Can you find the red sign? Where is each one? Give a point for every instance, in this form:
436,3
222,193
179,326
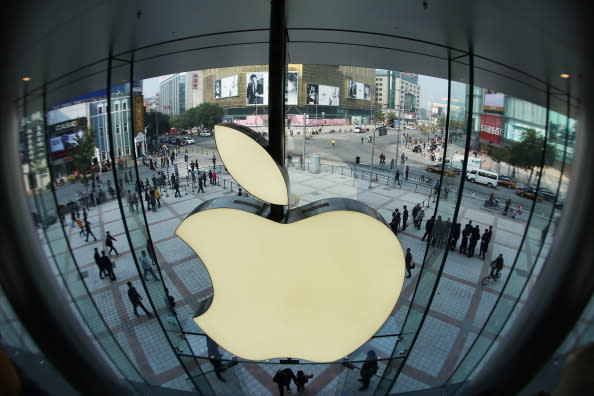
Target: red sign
491,128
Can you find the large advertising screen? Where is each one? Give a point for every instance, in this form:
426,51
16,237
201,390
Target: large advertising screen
358,90
226,87
493,102
256,88
491,128
291,88
324,95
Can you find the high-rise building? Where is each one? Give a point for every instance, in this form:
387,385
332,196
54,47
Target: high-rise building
172,94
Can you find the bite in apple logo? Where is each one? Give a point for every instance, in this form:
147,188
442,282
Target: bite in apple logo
315,286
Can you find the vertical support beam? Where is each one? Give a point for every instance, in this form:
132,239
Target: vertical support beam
276,92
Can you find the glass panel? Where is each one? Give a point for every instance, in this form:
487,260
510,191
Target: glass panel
542,168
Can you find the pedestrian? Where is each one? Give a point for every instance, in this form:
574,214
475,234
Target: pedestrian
414,213
153,200
99,262
398,178
200,185
130,201
203,176
428,229
282,378
507,205
497,266
147,266
396,218
456,231
73,217
176,186
419,218
157,195
214,161
88,231
404,218
406,172
518,211
368,370
301,380
408,261
107,265
170,302
240,192
109,243
136,300
214,357
81,226
210,176
475,235
214,177
483,248
438,227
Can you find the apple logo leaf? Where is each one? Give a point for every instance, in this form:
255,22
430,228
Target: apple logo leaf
244,154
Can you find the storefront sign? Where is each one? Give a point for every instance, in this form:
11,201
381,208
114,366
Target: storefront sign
491,128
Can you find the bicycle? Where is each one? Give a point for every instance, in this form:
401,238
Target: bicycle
487,279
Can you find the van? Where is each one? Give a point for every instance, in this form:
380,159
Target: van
483,177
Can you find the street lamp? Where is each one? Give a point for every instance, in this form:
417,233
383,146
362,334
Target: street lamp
304,133
400,105
372,151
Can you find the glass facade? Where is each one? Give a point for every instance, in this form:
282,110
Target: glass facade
107,228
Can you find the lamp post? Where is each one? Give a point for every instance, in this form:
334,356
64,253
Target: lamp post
372,152
400,105
304,133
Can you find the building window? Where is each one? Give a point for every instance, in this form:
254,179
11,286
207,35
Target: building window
125,127
124,106
117,107
119,152
100,110
117,128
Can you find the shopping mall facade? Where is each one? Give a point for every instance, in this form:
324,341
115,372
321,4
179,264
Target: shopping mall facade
446,329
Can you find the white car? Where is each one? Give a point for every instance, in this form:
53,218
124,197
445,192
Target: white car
358,130
190,141
205,133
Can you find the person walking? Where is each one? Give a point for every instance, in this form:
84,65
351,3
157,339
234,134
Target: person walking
497,266
214,177
109,243
301,380
282,378
464,242
88,231
404,217
408,261
98,261
147,266
210,176
483,248
475,235
438,232
200,184
398,178
107,265
203,176
368,370
414,213
73,217
81,226
136,300
406,172
396,217
428,229
176,186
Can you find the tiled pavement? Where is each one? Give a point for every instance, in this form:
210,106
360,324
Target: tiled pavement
459,309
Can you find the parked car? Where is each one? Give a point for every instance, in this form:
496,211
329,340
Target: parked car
358,130
189,140
529,192
205,132
547,194
438,168
507,181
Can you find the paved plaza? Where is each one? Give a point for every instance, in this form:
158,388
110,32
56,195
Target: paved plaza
459,309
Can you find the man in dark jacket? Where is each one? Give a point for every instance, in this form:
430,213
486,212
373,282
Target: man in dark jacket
98,261
497,266
404,218
408,262
107,266
136,300
283,378
428,229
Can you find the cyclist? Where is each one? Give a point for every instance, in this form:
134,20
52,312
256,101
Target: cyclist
496,266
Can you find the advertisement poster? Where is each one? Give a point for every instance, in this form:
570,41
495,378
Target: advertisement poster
291,88
227,87
493,102
491,128
324,95
256,88
358,90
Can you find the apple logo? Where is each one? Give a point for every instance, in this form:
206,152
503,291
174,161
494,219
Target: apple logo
315,286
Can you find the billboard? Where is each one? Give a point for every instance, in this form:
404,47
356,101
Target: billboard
63,134
256,88
325,95
411,77
491,128
358,90
226,87
493,101
291,88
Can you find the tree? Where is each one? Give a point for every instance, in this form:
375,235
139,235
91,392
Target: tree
391,116
379,116
527,153
82,153
154,119
209,114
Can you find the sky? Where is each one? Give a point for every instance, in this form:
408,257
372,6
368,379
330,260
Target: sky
431,88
